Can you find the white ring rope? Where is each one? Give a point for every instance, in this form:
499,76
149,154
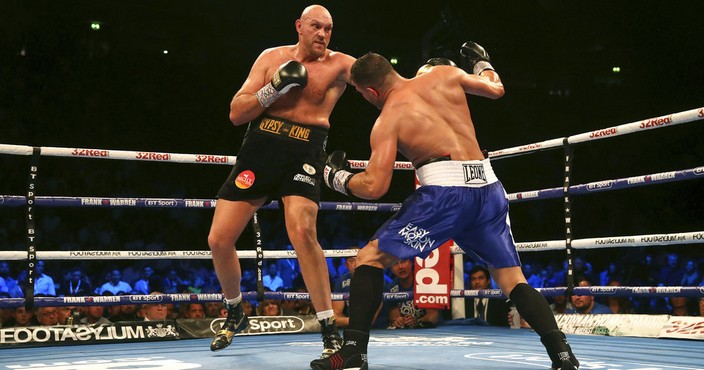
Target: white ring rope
609,185
592,187
603,291
184,254
165,157
588,243
691,115
649,240
695,114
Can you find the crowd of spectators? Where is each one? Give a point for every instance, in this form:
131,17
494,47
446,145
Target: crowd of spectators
52,83
197,276
61,229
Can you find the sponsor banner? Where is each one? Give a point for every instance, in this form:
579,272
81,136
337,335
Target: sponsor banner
202,158
151,156
541,245
258,325
614,325
360,165
698,171
655,122
433,277
79,334
296,296
79,152
616,240
687,327
530,147
527,195
161,203
196,203
600,185
604,132
92,254
397,296
113,202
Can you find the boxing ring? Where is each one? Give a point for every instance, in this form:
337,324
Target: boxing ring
447,347
464,347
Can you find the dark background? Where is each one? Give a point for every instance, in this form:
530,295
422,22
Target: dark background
63,84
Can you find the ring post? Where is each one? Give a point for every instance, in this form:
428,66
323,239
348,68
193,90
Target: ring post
569,153
31,230
260,256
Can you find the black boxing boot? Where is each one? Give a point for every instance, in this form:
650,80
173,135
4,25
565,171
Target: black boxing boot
352,355
559,351
331,337
235,322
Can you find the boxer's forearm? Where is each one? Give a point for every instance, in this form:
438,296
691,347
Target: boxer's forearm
244,108
368,186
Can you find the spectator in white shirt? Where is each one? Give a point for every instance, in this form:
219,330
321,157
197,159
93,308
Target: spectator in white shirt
43,283
142,285
3,287
115,285
13,289
272,280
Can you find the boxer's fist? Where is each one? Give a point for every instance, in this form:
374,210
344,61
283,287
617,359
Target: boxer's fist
289,75
335,175
440,62
432,62
476,56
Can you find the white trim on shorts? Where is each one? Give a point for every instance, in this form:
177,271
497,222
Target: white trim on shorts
473,174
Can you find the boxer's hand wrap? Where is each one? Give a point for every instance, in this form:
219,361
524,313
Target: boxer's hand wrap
476,56
481,67
289,74
335,174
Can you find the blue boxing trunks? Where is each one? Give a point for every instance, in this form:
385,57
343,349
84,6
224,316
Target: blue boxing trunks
459,200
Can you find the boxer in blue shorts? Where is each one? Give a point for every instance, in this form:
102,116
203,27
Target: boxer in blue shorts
474,215
427,119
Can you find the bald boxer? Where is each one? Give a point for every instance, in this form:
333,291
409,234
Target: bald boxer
427,119
287,99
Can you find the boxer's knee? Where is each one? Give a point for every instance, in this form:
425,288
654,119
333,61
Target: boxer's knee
302,234
220,242
507,278
300,225
372,256
215,242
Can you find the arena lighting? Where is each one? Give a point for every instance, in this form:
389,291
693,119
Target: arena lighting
394,61
616,69
95,26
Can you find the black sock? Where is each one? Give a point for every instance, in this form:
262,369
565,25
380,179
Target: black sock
366,293
533,308
355,341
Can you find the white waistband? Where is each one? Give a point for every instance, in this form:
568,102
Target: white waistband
474,174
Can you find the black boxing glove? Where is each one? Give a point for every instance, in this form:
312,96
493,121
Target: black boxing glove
289,74
432,62
476,56
335,174
440,62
